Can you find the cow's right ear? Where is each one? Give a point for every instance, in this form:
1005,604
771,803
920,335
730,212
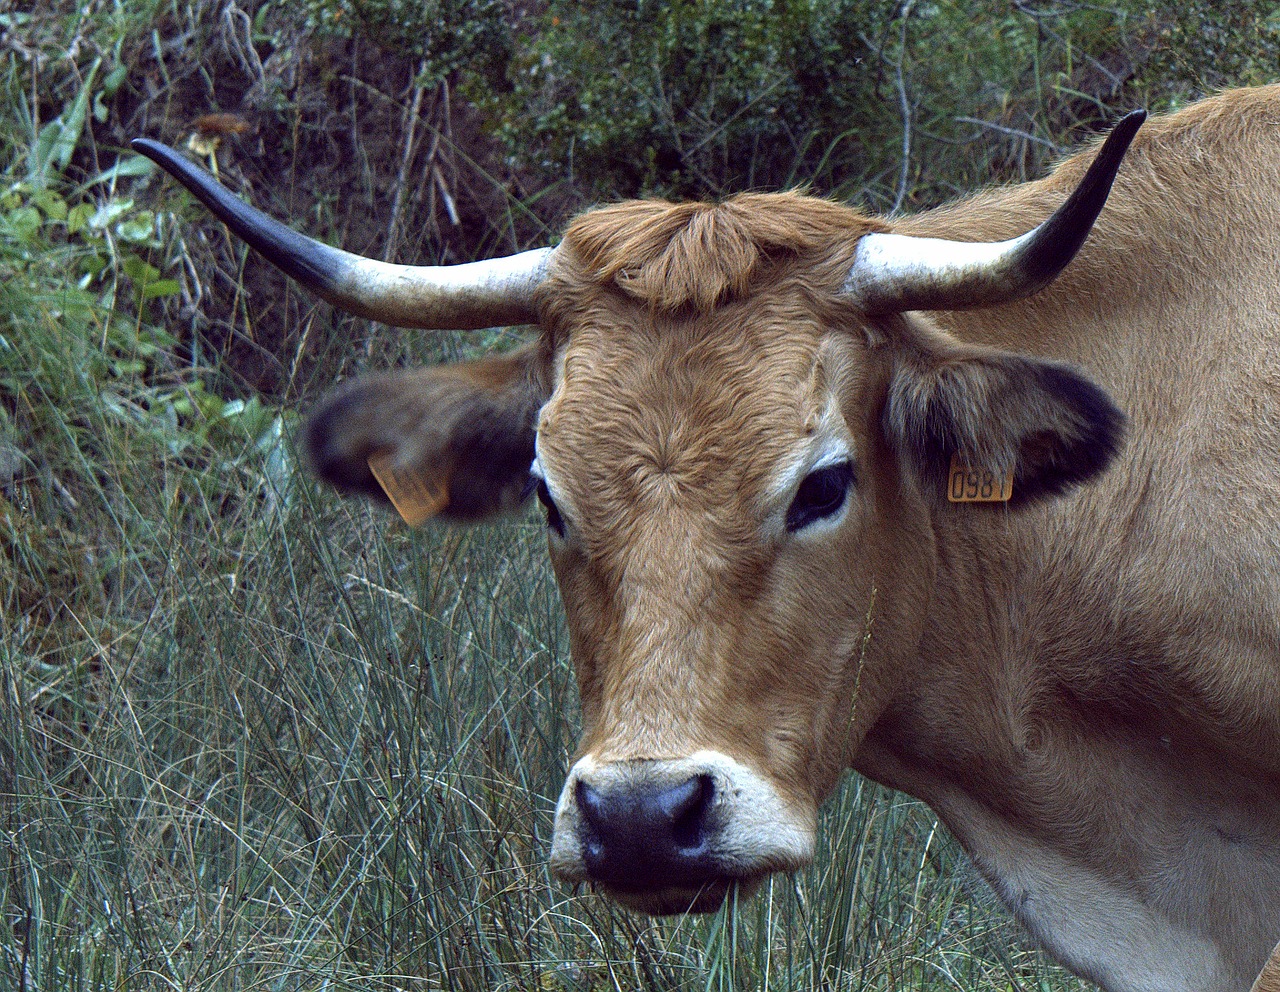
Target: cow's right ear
464,430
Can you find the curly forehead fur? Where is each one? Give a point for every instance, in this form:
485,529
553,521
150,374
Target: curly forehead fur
671,257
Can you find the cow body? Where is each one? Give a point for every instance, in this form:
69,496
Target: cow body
1109,663
743,464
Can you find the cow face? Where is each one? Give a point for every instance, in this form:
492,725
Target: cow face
740,479
722,518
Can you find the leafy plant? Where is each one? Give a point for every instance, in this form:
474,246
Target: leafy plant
901,105
699,95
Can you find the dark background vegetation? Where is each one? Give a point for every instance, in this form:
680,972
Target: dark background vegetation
251,736
430,131
444,130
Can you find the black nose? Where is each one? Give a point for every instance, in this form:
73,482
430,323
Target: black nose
641,837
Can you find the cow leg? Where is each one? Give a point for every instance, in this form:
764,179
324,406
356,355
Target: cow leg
1269,980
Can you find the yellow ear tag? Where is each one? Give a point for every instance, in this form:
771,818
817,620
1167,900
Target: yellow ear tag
977,485
417,497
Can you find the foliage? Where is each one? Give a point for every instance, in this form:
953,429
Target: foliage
900,104
89,381
706,96
629,95
1204,45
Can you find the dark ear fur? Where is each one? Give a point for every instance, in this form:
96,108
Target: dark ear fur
469,426
997,409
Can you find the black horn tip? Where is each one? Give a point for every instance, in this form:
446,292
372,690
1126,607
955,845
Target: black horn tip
161,154
314,264
1102,171
1066,230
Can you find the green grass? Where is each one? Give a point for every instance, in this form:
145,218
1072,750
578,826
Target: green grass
326,754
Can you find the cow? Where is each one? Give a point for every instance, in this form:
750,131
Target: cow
983,503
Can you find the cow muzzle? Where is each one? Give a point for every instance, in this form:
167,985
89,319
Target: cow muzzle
675,835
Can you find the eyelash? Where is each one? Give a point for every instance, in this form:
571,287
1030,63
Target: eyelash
554,520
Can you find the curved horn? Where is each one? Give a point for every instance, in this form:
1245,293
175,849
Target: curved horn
492,293
894,272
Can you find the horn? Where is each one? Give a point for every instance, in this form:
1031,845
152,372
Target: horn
894,272
491,293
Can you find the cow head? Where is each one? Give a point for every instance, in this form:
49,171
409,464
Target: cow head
739,427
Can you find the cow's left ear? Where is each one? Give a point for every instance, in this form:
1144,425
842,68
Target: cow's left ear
462,435
997,410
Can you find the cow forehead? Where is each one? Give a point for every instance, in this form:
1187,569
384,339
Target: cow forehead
708,416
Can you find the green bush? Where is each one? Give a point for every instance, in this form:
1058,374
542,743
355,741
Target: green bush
1205,45
444,37
901,105
704,97
623,97
91,381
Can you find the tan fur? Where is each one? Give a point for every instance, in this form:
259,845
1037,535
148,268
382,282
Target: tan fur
1269,979
671,256
1087,689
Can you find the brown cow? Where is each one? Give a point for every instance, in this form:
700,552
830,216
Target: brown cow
741,427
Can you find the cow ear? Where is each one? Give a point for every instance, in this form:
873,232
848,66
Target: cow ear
464,431
998,410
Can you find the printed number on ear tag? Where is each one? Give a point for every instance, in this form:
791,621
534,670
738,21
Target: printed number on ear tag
417,497
966,484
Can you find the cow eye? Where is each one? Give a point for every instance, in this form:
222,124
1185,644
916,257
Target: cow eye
821,494
554,520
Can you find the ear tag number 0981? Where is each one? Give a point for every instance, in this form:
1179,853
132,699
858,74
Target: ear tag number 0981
966,484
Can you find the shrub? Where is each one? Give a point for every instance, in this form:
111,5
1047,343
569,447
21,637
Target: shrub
709,96
445,37
901,105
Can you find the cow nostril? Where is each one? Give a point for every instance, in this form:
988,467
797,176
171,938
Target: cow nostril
591,804
687,806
